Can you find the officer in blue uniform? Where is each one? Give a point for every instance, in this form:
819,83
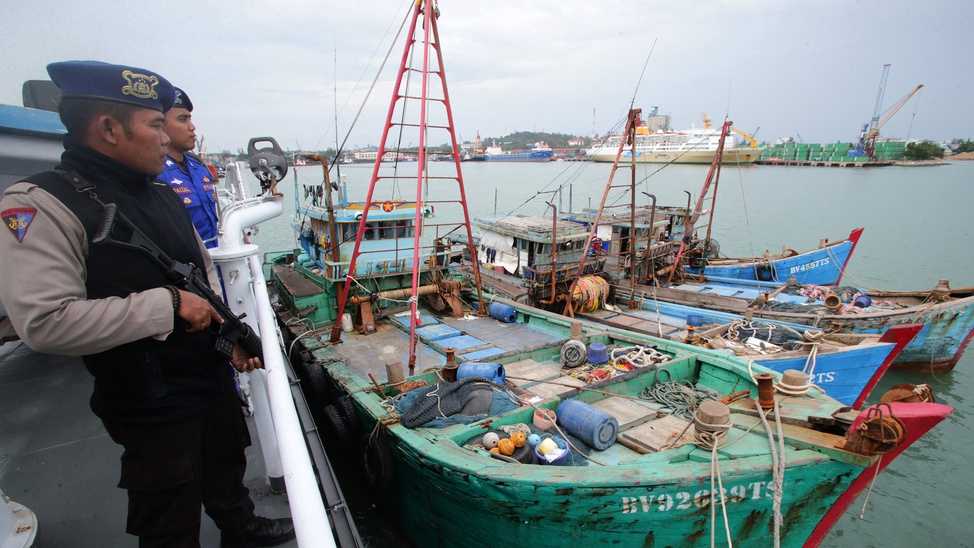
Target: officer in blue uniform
188,177
161,390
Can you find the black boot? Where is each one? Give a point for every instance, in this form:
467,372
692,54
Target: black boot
258,531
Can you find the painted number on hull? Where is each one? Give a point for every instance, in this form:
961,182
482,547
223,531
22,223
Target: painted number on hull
810,266
684,500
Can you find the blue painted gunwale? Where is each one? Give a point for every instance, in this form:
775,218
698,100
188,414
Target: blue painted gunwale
843,372
948,326
822,266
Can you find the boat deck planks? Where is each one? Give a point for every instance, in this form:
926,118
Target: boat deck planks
296,284
655,435
637,322
554,387
502,335
627,411
529,371
359,350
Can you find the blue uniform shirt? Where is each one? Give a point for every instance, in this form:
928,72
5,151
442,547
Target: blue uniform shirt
196,188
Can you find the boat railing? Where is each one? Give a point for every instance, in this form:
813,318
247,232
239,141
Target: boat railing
281,434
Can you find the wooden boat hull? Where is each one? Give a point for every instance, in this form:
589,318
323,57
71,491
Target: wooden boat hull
948,325
822,266
846,373
442,493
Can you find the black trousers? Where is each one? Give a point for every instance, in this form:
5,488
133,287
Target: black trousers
170,471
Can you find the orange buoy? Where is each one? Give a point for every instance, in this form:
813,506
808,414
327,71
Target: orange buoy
506,446
518,439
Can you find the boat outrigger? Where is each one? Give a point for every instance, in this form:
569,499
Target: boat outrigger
469,425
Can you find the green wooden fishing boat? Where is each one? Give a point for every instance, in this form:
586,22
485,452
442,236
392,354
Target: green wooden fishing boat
654,443
443,491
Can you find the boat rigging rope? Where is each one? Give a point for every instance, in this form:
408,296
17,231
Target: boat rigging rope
814,337
879,464
659,315
712,436
846,274
777,467
715,471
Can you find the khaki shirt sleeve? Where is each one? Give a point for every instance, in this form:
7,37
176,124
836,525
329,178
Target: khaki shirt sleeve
42,285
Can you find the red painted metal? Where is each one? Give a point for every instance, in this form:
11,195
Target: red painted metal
713,177
424,47
630,131
919,418
854,238
900,335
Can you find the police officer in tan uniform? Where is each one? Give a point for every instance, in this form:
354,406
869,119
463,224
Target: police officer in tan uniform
160,389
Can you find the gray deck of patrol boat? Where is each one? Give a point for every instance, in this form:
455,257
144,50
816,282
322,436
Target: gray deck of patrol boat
57,459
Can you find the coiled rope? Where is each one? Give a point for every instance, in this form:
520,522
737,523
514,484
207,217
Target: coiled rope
679,398
590,292
638,356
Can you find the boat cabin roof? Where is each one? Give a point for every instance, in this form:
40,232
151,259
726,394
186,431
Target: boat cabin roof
624,217
535,229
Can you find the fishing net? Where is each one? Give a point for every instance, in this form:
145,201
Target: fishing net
786,338
446,403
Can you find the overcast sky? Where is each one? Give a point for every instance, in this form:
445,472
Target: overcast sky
278,68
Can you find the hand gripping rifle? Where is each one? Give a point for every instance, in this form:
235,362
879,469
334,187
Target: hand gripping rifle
185,276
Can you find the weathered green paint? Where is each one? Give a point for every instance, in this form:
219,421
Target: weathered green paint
444,494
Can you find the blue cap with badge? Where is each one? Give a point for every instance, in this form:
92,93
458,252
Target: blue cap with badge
182,100
107,82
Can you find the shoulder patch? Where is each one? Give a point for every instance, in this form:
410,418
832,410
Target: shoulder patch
18,219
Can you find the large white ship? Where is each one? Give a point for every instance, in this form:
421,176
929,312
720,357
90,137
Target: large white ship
657,144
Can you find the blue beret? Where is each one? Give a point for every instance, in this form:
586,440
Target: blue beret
107,82
182,100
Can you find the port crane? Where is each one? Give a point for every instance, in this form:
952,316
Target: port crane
867,137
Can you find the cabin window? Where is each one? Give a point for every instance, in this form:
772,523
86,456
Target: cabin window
387,230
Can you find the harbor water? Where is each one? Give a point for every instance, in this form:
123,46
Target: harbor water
919,229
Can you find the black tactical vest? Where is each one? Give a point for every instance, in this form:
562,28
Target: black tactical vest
145,381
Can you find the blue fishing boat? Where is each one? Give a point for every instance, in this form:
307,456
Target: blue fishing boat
823,265
847,367
661,229
947,314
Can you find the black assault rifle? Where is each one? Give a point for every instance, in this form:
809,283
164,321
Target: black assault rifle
185,276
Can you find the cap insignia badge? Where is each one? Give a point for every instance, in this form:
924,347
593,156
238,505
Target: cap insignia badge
140,85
